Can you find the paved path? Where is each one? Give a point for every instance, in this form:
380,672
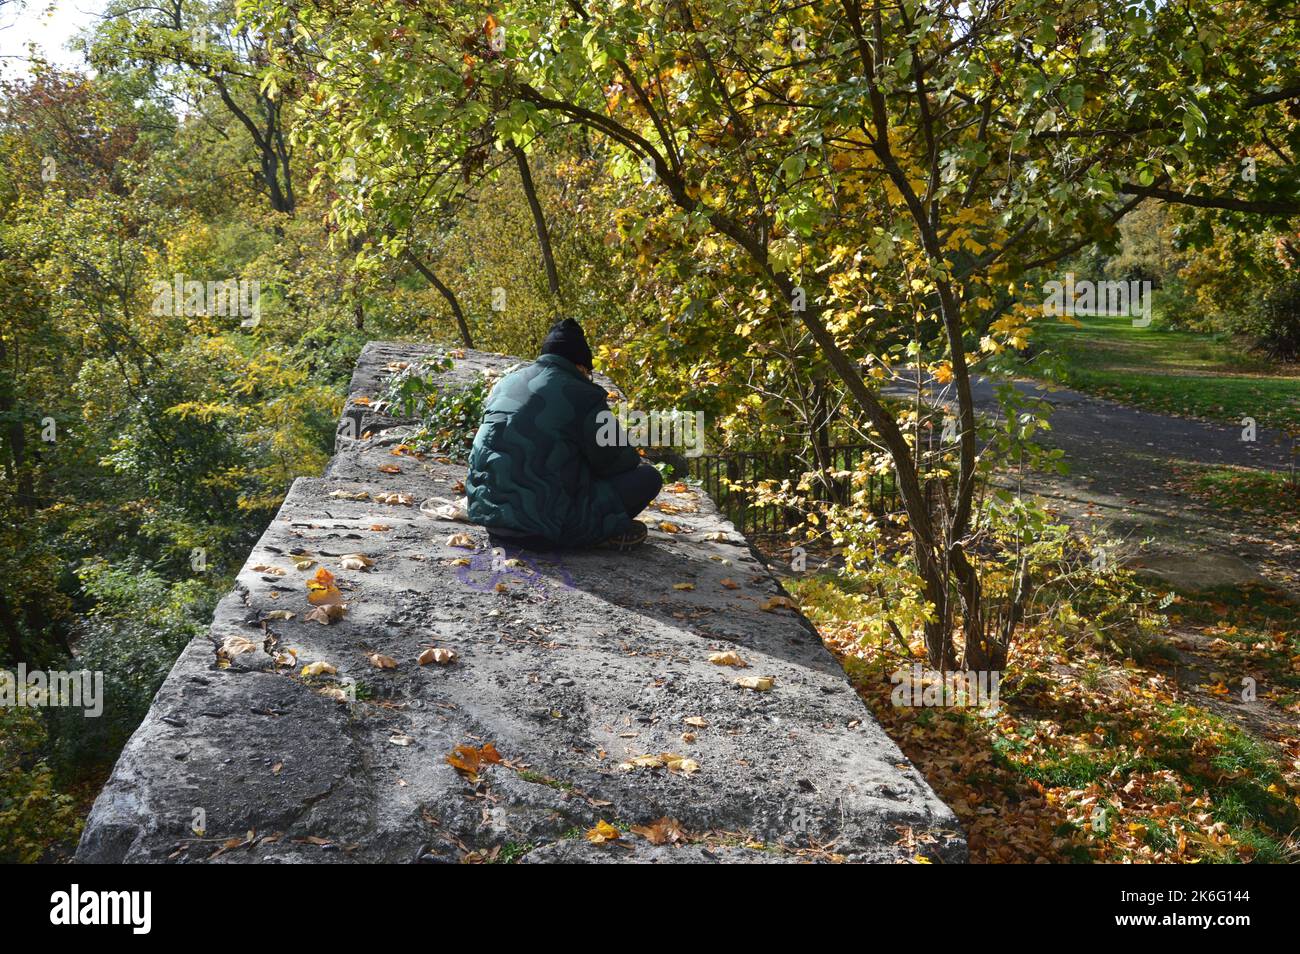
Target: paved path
1123,470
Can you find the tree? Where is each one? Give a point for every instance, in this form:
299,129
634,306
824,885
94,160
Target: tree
890,174
196,53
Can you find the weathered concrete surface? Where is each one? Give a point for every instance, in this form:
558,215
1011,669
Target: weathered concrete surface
570,663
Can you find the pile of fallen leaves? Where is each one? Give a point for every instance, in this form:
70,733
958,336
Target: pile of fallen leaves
1087,757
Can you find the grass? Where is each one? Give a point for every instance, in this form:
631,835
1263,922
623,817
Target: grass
1251,629
1270,494
1092,756
1163,369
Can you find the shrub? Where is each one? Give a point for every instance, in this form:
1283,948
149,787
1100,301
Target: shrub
449,416
1275,322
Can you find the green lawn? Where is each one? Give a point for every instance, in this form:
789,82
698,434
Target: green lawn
1161,369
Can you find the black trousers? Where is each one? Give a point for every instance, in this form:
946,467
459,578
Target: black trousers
635,487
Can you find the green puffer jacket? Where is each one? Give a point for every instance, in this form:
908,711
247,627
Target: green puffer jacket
536,466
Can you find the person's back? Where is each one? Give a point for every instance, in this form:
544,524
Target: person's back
544,470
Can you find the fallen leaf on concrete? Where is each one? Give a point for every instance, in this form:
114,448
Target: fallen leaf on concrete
288,658
321,589
730,584
729,658
326,613
335,693
279,614
401,740
355,561
683,586
439,654
350,494
461,561
778,602
304,564
462,540
467,760
669,527
380,527
668,760
717,536
757,683
678,763
394,500
380,661
233,646
642,761
321,668
602,833
389,469
696,721
271,570
664,831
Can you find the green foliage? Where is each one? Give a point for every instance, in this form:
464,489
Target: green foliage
1276,320
449,416
139,623
34,815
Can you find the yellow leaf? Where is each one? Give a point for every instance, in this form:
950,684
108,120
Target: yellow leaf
729,658
602,833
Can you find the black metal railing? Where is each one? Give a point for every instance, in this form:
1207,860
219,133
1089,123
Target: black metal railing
719,473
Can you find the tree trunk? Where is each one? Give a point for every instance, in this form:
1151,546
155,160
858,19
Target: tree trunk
446,293
10,627
819,434
539,220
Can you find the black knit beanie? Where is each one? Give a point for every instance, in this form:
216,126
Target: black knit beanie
567,340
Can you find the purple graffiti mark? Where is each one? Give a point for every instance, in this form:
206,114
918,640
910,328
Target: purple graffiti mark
487,568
